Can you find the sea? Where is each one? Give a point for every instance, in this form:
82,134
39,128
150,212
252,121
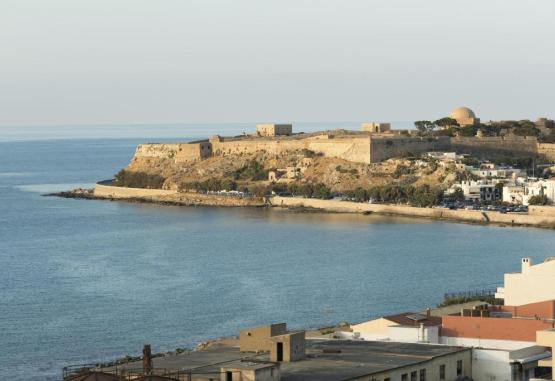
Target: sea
85,281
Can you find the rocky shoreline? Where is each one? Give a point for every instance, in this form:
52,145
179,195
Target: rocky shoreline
303,205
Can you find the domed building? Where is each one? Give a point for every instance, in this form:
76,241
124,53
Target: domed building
464,116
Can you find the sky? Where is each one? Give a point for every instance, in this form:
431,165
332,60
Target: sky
70,62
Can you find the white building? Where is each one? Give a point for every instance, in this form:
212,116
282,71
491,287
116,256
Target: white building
490,170
539,188
514,194
404,328
481,190
533,284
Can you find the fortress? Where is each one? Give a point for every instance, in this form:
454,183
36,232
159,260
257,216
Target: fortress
374,143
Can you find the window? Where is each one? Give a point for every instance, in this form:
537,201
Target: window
442,372
459,368
414,376
405,377
422,374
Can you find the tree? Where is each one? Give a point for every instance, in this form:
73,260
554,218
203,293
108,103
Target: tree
538,200
446,122
424,127
457,195
321,191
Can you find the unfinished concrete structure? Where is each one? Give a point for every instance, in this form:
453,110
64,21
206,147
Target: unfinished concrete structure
284,346
257,339
250,371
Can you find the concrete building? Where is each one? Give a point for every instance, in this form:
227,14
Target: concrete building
490,170
514,194
502,338
258,338
250,371
326,360
546,338
464,116
534,283
478,191
283,345
274,129
376,127
407,327
540,187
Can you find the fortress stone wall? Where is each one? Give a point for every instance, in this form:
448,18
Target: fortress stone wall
179,152
547,150
352,146
385,147
495,145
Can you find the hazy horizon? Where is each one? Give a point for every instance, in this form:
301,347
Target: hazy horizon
87,63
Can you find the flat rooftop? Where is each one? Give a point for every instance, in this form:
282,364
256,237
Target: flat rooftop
326,360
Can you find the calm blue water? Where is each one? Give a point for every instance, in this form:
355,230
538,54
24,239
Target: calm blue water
84,281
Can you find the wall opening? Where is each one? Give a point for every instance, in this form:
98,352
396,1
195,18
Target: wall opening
279,351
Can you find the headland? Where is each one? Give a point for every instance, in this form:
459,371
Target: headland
455,168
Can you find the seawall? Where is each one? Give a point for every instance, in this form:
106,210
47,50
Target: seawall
104,190
471,216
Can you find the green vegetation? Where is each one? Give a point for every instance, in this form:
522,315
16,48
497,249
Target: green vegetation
212,184
132,179
352,171
399,194
550,138
309,153
538,200
401,170
251,171
424,127
318,190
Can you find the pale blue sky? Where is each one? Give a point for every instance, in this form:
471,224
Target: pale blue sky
191,61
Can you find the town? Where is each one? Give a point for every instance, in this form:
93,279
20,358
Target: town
456,163
502,334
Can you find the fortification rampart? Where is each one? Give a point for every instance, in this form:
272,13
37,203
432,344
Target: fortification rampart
547,150
385,147
107,190
495,145
356,147
179,152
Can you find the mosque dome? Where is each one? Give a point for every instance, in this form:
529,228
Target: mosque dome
462,113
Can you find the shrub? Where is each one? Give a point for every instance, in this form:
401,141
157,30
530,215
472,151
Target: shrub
538,200
133,179
251,171
212,184
401,170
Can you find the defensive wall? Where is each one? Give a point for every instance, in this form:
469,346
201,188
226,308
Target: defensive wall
352,146
547,150
361,148
473,216
385,147
178,152
104,189
495,145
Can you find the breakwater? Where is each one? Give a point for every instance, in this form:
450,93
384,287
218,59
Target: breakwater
542,219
